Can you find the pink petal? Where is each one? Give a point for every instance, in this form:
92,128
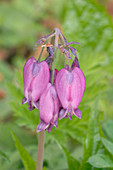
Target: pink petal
42,126
27,75
70,87
36,69
40,81
24,100
56,104
62,85
49,105
62,113
46,106
77,113
78,87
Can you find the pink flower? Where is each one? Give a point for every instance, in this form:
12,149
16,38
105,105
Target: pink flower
36,77
70,88
48,109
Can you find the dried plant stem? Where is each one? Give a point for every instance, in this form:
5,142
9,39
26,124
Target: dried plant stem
41,141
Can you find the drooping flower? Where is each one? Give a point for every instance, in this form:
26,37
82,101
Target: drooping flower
36,77
48,109
70,86
50,94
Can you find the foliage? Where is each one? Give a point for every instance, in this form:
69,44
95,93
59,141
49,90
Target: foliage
86,143
4,155
101,161
26,158
90,24
72,162
20,21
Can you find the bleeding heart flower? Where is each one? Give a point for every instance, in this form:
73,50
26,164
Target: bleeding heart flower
36,78
70,86
48,109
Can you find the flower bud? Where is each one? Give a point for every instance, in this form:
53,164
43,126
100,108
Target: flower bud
36,77
48,109
70,88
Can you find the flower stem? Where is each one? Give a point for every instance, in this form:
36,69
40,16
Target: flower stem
41,141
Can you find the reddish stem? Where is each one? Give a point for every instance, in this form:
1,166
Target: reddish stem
41,141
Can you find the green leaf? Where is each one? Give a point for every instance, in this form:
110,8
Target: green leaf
91,18
108,145
92,139
108,129
73,164
101,161
3,155
28,162
44,168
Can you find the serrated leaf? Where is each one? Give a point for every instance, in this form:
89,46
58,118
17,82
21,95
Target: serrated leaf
92,140
101,161
108,145
91,18
28,162
3,155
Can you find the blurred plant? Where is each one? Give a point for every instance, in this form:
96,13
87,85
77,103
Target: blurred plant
89,24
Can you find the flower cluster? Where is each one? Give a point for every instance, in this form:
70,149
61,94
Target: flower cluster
56,96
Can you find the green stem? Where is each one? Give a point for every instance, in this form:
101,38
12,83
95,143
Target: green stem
41,141
56,38
41,54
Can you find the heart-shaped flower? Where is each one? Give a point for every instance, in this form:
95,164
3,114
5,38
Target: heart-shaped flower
48,109
36,78
70,86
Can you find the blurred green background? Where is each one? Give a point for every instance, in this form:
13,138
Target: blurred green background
88,22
